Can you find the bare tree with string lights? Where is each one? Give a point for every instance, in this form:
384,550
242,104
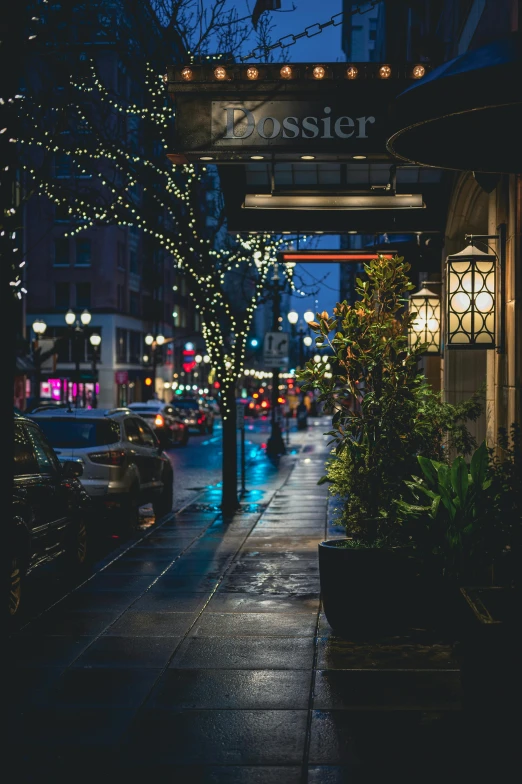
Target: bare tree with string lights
118,181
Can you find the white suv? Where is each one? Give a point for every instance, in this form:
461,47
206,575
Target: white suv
124,465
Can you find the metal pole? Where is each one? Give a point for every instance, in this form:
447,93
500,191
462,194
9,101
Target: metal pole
275,444
94,396
77,332
243,462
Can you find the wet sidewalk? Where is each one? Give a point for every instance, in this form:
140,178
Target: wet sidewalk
199,654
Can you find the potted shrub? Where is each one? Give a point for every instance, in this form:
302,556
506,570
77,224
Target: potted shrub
376,395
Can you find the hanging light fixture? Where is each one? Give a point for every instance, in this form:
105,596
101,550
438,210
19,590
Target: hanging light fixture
425,327
470,299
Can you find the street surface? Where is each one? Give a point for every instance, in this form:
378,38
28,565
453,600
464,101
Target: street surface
197,473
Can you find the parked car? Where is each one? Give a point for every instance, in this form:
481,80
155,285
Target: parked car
51,512
165,420
32,404
196,415
124,465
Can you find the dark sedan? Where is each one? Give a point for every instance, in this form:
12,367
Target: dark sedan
50,513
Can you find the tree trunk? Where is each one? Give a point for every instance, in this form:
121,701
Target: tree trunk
229,499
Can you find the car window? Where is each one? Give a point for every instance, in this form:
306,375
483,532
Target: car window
147,436
185,404
24,456
67,433
47,461
132,431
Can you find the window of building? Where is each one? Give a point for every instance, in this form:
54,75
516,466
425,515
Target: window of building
83,295
83,253
62,296
121,299
373,29
62,165
122,81
133,262
61,252
135,341
61,213
121,255
121,345
134,303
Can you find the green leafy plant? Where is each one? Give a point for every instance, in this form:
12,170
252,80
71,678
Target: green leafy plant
372,393
450,516
505,493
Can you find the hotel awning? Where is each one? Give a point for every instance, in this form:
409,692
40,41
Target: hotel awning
464,115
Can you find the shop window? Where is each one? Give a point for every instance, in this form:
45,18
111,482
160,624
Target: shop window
83,295
135,341
83,253
62,296
121,345
61,252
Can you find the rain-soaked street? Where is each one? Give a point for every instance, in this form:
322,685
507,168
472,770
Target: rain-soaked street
197,651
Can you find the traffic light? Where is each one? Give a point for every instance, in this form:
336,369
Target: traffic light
148,381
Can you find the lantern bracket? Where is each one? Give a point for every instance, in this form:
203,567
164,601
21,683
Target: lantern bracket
501,238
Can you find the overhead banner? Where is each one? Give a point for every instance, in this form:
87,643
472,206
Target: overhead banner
255,112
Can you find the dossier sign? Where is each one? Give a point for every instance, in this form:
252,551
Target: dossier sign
287,123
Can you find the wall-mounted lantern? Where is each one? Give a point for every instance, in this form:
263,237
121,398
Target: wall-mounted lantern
425,327
471,299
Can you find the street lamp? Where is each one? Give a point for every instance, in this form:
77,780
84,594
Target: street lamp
425,327
95,341
293,317
79,323
39,327
154,341
470,299
309,316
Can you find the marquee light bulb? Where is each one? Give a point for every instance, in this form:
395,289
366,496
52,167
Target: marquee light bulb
352,72
186,74
252,73
220,73
385,71
319,72
285,72
418,72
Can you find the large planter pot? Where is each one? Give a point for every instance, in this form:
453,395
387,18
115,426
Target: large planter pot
367,589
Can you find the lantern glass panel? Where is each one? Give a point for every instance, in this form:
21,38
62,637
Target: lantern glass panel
425,327
471,300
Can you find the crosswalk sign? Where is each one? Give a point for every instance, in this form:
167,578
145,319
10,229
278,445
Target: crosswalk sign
275,349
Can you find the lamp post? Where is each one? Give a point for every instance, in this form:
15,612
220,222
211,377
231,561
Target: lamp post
304,340
39,327
154,342
95,341
275,444
78,326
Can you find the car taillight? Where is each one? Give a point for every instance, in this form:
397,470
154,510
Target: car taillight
114,457
159,421
201,420
264,404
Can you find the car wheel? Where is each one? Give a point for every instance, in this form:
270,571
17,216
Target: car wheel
15,587
77,556
130,511
162,504
185,439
